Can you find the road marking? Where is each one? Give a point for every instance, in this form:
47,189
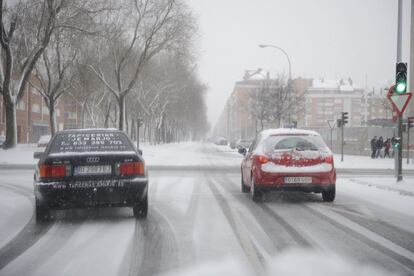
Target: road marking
363,231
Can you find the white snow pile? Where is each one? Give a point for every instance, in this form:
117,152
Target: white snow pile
292,262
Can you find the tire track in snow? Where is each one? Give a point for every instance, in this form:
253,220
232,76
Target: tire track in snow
27,237
153,246
252,253
185,223
261,212
370,238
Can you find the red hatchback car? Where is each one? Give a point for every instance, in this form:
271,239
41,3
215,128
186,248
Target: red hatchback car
288,160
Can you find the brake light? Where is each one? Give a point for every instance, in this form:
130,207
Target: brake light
132,168
262,159
329,159
49,171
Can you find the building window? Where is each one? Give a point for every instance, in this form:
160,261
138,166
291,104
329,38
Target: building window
69,115
45,110
21,106
36,108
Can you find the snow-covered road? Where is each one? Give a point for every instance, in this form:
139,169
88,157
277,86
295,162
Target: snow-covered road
199,223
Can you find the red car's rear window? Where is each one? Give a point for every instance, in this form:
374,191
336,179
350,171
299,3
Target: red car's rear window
297,142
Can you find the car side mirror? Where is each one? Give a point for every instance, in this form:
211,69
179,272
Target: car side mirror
37,155
140,152
242,151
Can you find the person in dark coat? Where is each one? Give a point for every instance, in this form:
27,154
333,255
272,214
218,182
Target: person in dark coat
373,146
380,144
387,146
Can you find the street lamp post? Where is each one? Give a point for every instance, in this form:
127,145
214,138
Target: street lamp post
290,73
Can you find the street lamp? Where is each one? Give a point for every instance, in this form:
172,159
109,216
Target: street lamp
290,71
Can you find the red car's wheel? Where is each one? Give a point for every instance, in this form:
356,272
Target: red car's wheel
257,194
244,187
329,195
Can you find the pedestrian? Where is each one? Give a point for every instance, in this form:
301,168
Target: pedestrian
373,146
387,146
380,144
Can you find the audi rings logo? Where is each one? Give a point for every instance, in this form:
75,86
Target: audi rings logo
92,159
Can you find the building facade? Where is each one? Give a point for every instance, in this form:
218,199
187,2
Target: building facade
32,116
316,104
241,118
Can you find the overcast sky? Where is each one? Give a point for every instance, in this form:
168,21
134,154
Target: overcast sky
323,38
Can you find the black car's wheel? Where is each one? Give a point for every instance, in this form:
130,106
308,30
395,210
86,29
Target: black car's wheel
329,195
257,194
140,208
244,187
43,212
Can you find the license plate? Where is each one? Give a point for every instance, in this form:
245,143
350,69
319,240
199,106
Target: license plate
298,180
92,170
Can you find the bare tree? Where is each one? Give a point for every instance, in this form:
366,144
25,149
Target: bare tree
46,13
53,76
26,30
156,26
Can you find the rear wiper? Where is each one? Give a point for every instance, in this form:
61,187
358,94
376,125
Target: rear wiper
303,149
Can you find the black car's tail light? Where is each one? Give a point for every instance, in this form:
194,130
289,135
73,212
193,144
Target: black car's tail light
52,171
132,168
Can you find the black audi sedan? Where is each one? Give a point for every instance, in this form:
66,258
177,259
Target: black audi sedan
90,168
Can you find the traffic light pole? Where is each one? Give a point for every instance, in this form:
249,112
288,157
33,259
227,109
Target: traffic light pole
342,143
408,142
399,155
399,124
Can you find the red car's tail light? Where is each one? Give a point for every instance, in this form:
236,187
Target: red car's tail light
49,171
262,159
132,168
329,159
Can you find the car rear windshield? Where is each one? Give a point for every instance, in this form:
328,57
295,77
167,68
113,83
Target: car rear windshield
90,141
296,142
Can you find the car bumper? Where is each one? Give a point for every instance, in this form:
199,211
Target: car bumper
91,193
275,181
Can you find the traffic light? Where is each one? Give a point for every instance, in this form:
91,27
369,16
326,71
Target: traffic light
401,78
344,118
396,142
410,121
339,122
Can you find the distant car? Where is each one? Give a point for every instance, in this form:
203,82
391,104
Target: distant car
289,160
242,143
232,144
221,141
2,140
90,168
43,141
